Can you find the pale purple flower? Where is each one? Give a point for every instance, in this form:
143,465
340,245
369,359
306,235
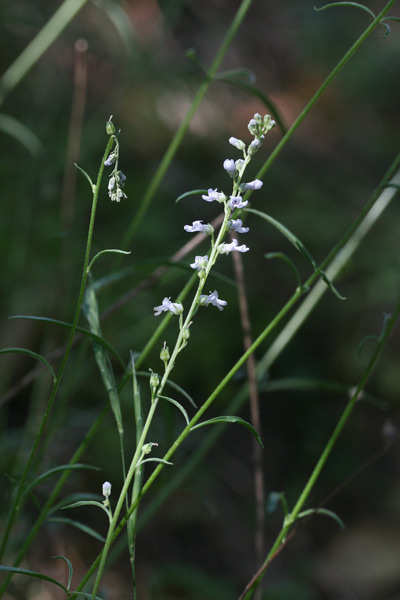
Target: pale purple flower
253,185
236,225
236,202
233,246
212,298
214,195
230,166
175,308
199,226
110,160
200,262
255,145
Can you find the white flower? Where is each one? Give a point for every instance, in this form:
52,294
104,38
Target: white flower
106,489
233,246
230,167
111,184
236,225
236,202
110,160
253,185
199,226
213,195
239,144
212,298
200,262
175,308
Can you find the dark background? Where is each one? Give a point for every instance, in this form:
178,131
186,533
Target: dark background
199,545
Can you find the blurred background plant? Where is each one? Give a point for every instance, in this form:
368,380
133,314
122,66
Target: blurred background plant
142,62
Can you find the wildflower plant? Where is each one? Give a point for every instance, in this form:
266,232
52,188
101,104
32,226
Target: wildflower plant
119,505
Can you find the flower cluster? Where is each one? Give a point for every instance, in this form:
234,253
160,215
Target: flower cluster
117,179
258,127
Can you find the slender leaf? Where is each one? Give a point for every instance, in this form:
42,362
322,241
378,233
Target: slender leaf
230,419
107,251
70,569
268,103
82,330
179,406
191,193
32,354
354,4
287,260
298,244
92,186
21,133
322,511
233,74
78,525
173,385
158,460
34,574
57,470
87,503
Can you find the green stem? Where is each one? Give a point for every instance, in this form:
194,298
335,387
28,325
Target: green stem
335,71
17,500
179,135
38,46
291,518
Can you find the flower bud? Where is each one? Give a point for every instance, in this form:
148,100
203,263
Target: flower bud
239,144
106,489
164,354
110,127
154,382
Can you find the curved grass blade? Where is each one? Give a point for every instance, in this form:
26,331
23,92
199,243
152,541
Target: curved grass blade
190,193
107,251
179,406
87,503
70,569
32,354
94,336
287,260
78,525
34,574
21,133
254,91
232,74
158,460
230,419
173,385
57,470
294,240
322,511
92,186
353,4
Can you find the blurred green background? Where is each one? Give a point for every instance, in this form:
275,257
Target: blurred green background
134,65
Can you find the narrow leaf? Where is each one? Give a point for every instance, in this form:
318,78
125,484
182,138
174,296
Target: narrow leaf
230,419
87,503
322,511
191,193
21,133
57,470
34,574
287,260
354,4
82,330
270,105
233,74
92,186
298,244
179,406
70,569
38,357
78,525
158,460
107,251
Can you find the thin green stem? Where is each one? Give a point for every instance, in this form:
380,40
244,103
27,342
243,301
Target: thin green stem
38,46
292,516
19,493
335,71
180,133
